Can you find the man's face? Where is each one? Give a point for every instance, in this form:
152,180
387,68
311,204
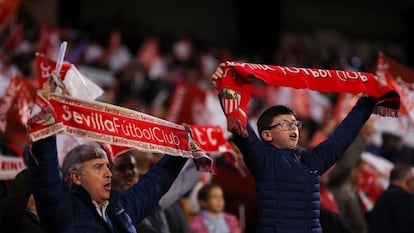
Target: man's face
279,136
96,179
125,172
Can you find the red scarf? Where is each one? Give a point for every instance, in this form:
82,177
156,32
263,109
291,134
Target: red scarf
236,84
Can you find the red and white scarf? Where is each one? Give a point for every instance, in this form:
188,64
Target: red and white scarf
115,125
236,84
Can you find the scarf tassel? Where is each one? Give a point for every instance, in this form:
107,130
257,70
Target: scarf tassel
385,111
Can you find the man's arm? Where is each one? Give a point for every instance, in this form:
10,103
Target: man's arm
141,198
47,185
335,146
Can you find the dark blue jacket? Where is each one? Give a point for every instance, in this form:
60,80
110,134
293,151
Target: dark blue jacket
62,210
287,186
393,212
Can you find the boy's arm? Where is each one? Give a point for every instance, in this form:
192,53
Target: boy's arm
329,151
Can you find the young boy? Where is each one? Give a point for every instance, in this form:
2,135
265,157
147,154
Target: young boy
287,179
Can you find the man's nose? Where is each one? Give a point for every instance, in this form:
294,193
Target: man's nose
108,172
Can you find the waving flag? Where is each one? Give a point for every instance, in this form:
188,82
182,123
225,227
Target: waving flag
8,10
15,108
78,85
401,79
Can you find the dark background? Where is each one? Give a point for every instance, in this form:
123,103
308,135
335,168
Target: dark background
252,27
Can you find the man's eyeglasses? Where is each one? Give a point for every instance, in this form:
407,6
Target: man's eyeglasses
286,125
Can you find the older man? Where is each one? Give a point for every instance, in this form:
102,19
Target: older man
394,209
80,198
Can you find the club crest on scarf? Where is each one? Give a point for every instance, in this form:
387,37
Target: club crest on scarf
234,94
230,101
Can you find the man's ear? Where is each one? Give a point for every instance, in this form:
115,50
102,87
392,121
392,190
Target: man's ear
75,178
266,135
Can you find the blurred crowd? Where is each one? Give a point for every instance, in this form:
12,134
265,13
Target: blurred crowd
141,71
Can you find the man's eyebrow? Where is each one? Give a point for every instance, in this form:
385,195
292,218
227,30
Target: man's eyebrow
98,164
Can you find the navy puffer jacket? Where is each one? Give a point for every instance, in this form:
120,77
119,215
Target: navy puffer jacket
287,181
71,211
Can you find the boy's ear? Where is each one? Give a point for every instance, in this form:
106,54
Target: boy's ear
266,135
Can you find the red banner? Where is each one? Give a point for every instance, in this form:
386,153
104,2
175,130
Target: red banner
10,166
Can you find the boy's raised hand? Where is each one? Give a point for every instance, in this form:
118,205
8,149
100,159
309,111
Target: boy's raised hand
218,74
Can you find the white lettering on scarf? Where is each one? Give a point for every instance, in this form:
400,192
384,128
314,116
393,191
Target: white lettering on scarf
97,122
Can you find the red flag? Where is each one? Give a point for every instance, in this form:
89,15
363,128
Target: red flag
148,52
8,10
75,83
187,105
343,105
373,179
192,105
15,108
15,38
48,40
45,66
307,104
400,78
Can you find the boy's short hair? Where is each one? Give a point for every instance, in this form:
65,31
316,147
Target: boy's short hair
266,118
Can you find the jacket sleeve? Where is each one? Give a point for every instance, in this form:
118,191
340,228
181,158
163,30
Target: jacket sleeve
343,167
144,196
186,180
252,149
13,204
329,151
49,190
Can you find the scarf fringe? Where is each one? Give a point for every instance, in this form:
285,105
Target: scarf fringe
236,123
205,165
385,111
202,160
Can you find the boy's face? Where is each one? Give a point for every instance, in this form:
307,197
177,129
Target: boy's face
279,135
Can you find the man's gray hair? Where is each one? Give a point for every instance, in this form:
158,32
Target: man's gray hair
79,154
